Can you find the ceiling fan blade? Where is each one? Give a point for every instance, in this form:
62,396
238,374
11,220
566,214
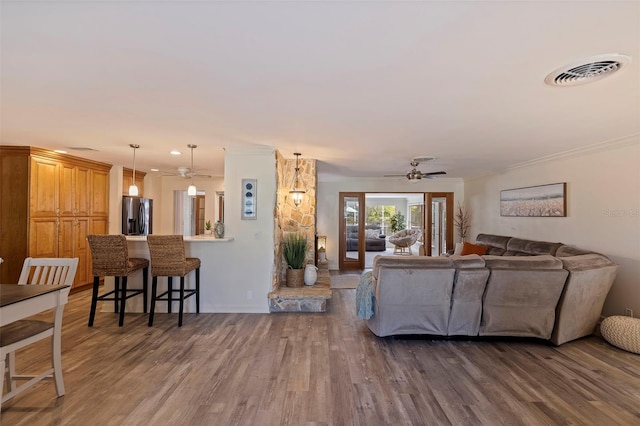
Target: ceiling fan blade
403,175
433,174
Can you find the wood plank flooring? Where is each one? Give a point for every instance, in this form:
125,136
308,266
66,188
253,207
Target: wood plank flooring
317,368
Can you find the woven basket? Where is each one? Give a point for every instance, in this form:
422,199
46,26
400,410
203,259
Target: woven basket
295,277
622,332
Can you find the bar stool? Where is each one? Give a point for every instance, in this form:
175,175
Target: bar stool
168,259
111,259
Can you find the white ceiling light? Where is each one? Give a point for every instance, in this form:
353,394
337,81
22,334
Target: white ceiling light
591,69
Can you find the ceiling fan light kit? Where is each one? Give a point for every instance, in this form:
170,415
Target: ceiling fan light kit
415,175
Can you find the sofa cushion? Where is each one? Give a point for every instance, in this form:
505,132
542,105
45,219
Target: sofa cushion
585,261
565,250
497,243
370,234
523,263
469,248
468,261
410,262
518,246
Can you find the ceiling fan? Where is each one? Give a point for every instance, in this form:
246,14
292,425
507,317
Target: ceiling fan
415,175
186,172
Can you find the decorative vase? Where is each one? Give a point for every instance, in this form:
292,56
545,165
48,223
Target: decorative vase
295,277
310,274
218,229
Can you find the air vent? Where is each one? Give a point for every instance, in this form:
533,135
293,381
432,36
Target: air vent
423,159
591,69
81,148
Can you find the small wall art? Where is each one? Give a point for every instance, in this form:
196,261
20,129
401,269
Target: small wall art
249,199
535,201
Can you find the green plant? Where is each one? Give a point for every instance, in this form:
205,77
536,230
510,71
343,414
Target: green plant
207,225
397,222
294,250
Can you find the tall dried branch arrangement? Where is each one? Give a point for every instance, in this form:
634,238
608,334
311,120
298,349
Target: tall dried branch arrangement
462,221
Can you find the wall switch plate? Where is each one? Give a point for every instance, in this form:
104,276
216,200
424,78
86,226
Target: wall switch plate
628,312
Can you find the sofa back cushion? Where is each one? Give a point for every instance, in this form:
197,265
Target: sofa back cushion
412,300
409,262
520,247
497,243
523,263
565,250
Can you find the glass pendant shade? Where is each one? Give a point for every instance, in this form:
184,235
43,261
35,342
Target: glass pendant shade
191,190
298,188
133,189
297,197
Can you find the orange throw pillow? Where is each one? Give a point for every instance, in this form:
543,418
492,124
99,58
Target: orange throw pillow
469,248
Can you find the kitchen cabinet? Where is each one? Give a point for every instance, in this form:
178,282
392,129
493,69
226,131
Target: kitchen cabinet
50,203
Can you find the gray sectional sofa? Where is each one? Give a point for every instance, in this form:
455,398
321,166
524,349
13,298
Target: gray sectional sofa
519,288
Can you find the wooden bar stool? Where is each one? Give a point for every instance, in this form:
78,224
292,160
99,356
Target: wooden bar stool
168,259
111,259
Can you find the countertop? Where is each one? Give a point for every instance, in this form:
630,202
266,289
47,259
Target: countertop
189,239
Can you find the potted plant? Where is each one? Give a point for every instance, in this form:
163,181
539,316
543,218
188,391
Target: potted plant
207,227
397,222
462,221
294,250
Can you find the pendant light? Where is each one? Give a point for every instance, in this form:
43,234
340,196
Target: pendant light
191,191
298,188
133,189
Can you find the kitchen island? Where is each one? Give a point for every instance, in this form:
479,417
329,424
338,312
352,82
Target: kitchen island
211,252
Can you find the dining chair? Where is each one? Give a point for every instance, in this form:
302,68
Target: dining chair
168,259
21,333
110,257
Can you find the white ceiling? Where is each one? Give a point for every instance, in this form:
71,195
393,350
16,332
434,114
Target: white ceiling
361,86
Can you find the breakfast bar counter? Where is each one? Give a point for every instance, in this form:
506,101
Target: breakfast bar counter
210,251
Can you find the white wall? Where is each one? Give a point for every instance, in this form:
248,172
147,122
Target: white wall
328,193
603,203
162,190
248,265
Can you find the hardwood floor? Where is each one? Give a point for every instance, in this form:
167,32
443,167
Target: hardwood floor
317,368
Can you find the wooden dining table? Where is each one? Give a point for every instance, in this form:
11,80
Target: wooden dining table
18,302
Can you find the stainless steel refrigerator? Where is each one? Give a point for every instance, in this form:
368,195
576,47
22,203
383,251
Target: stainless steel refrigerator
137,216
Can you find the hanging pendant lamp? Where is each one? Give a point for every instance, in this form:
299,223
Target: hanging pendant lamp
191,191
298,188
133,189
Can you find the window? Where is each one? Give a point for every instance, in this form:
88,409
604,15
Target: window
380,215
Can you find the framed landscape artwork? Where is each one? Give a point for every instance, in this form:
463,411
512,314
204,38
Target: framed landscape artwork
535,201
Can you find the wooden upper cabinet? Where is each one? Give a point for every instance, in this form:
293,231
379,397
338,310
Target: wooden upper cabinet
127,178
99,192
83,191
44,187
51,202
67,184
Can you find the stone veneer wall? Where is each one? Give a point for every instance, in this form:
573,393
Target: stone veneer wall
290,218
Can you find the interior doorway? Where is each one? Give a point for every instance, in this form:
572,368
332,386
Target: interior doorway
367,220
351,216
